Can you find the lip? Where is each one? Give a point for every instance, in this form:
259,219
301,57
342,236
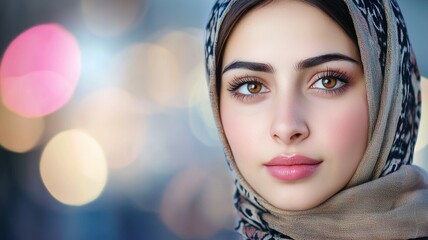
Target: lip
292,168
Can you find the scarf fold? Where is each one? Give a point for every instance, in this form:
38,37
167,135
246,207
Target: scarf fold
387,198
361,212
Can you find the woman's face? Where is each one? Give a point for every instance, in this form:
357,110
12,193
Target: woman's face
293,104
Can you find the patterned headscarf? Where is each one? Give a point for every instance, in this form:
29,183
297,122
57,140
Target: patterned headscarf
387,198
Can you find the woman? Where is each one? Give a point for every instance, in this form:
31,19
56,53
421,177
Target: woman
318,105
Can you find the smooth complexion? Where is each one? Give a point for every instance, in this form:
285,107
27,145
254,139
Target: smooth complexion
292,89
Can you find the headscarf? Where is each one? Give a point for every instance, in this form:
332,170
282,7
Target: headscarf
387,197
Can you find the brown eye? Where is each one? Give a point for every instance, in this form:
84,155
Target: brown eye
248,87
329,82
254,87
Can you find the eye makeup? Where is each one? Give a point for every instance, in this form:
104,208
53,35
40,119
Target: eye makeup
341,78
327,83
238,83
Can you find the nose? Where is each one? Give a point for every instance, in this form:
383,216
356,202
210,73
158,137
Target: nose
289,125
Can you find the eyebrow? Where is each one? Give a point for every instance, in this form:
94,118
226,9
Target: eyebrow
258,67
318,60
307,63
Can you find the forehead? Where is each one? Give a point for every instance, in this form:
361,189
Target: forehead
289,30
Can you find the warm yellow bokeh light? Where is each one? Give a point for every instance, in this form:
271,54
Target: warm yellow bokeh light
196,204
151,72
186,45
116,120
73,168
110,18
17,133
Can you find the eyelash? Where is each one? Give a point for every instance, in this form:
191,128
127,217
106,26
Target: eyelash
238,82
338,74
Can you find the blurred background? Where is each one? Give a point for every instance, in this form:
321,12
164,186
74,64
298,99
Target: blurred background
116,140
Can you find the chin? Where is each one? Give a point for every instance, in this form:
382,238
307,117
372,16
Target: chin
294,204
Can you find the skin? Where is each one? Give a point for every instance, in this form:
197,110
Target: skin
290,111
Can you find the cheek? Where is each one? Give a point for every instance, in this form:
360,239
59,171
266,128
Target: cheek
242,130
234,130
345,130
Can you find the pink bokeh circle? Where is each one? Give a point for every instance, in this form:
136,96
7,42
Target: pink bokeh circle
40,70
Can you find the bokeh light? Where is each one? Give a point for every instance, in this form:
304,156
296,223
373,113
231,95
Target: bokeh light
73,168
201,118
197,203
421,148
420,158
40,70
152,72
423,126
19,134
109,18
116,120
186,45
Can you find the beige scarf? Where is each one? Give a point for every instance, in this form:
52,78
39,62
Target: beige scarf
387,198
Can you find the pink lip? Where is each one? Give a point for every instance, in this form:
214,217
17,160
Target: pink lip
292,168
